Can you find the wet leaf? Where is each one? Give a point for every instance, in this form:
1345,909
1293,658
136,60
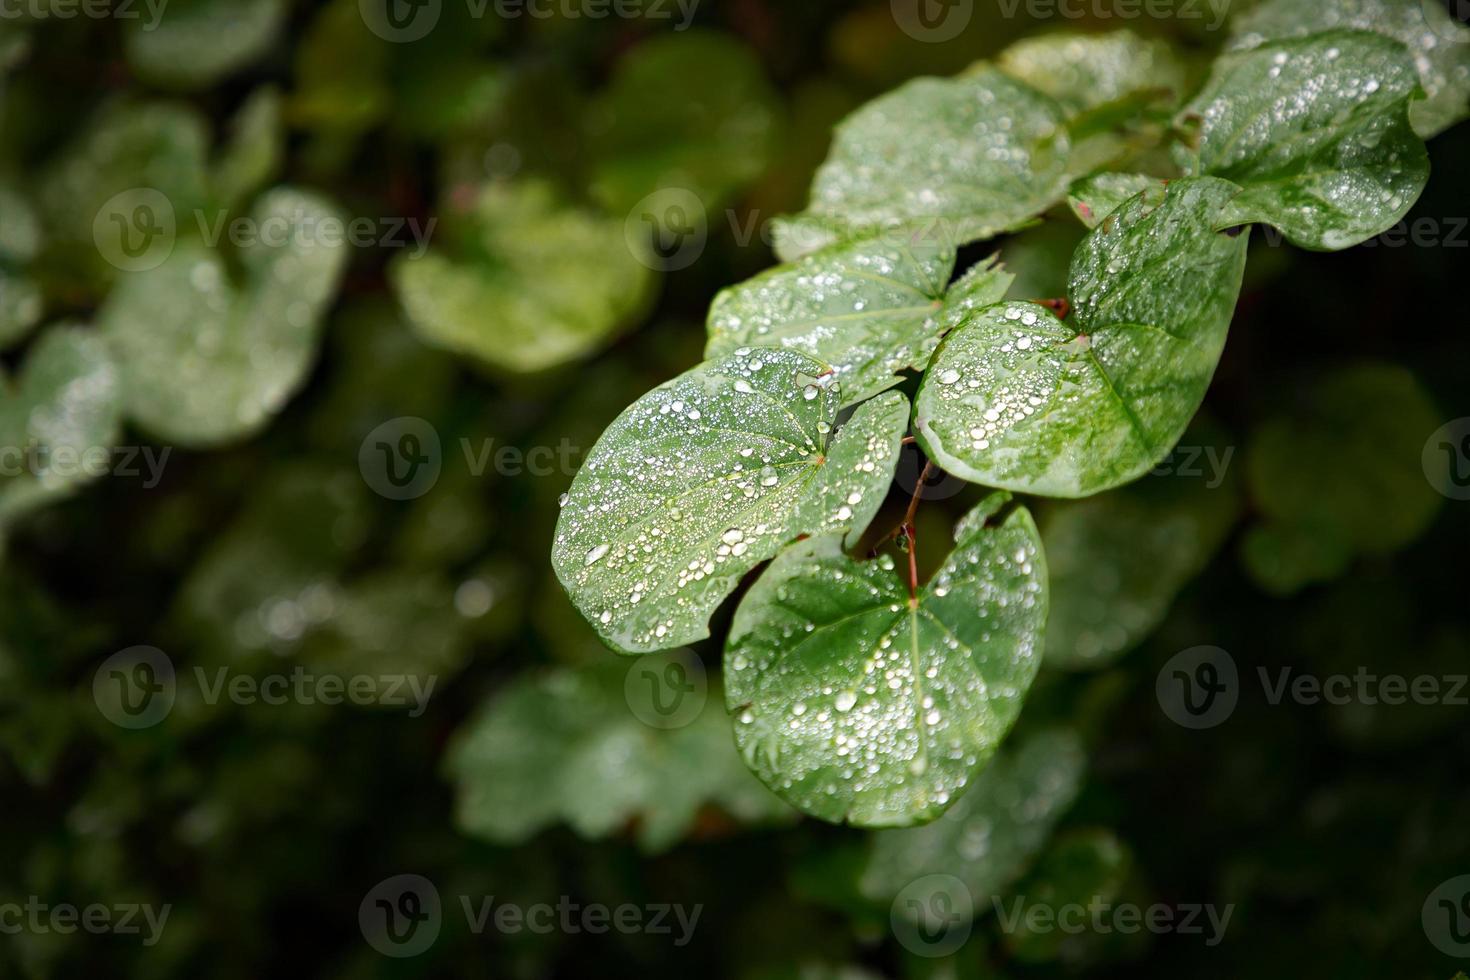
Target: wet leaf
1085,71
1439,44
939,158
854,703
157,146
707,476
206,361
252,157
1316,131
565,747
1018,399
535,283
990,837
1094,198
270,577
198,42
709,132
870,308
60,419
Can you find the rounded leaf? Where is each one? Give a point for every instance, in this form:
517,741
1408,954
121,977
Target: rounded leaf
1316,131
709,475
855,703
1017,399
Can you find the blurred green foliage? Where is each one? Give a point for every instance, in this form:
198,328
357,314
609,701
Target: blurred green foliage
235,528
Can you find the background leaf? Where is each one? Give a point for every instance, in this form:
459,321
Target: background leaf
689,110
989,838
609,768
204,361
533,283
58,419
1117,560
193,43
1332,481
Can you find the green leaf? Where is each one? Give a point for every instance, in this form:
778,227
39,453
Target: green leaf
989,838
535,283
1083,868
855,703
1019,400
61,419
1316,131
397,622
341,72
200,42
1094,198
565,747
1085,71
707,476
1117,89
1340,474
125,147
21,302
205,361
689,110
1284,559
252,157
1118,560
941,158
870,308
1439,44
271,577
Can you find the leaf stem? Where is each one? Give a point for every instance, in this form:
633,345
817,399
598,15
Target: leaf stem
1061,307
913,564
908,517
